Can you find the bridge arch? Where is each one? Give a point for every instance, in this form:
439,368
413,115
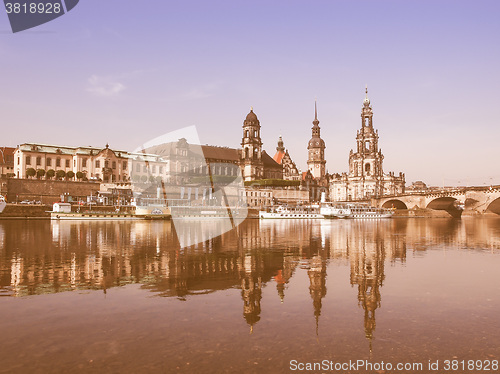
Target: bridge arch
394,203
442,203
494,206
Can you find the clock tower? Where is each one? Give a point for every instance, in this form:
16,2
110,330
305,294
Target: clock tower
316,148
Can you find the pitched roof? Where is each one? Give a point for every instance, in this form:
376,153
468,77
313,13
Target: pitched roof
269,162
278,157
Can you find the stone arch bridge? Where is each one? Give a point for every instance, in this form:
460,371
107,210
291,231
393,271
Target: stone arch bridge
473,200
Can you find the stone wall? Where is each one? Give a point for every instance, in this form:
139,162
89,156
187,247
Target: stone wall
48,191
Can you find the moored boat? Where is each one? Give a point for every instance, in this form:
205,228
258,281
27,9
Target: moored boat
292,212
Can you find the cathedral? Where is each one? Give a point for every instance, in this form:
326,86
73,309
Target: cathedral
366,177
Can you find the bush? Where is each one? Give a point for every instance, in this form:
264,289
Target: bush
30,172
273,183
40,173
50,173
79,175
144,178
60,174
70,174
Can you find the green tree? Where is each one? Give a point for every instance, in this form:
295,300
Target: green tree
40,173
60,174
152,179
144,178
79,175
136,178
70,174
30,172
50,173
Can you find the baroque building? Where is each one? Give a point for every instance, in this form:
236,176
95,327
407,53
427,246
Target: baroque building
282,157
366,177
316,163
255,163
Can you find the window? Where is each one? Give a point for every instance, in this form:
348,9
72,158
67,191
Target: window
97,164
49,162
124,165
144,169
38,161
28,160
106,164
67,163
84,162
367,121
154,169
367,169
114,165
58,162
138,168
160,169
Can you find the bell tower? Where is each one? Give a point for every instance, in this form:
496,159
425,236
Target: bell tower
251,143
366,162
316,150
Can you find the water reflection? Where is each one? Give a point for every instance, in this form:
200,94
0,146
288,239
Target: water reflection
49,257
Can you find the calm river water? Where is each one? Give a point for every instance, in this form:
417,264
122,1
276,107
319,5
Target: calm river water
270,296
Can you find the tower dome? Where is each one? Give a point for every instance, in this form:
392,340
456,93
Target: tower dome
252,117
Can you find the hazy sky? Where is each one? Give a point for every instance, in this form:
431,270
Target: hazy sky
124,72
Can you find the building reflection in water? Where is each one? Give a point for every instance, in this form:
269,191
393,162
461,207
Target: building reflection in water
49,257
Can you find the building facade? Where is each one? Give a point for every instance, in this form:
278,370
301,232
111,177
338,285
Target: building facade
282,157
366,177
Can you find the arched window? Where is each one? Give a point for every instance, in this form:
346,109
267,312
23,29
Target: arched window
246,134
367,169
247,152
38,161
255,153
367,121
367,145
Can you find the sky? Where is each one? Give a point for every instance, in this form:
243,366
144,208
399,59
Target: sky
124,72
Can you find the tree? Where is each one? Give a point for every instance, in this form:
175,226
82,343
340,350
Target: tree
70,174
30,172
60,174
40,173
11,175
144,178
50,173
136,178
152,179
79,175
158,179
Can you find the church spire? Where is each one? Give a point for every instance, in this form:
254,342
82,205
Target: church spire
315,122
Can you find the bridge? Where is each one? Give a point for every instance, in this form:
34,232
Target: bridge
473,200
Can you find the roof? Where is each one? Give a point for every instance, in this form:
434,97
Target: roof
278,157
220,153
7,155
269,162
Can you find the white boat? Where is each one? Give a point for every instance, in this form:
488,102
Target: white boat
3,203
289,212
354,210
335,211
364,211
62,211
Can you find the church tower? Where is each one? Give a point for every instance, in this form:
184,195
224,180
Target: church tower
366,162
316,148
251,143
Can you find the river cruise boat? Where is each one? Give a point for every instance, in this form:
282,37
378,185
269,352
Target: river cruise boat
365,211
357,211
63,211
3,203
335,211
292,212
